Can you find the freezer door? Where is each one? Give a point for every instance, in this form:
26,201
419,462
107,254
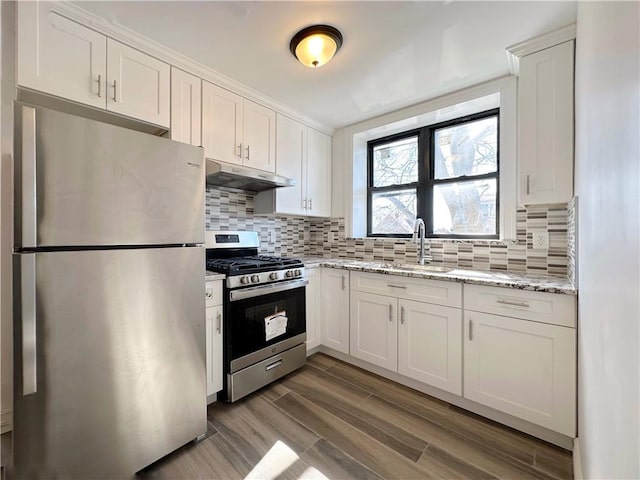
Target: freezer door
109,360
82,183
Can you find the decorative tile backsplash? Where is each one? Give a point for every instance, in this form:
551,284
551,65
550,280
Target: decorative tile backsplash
572,239
228,209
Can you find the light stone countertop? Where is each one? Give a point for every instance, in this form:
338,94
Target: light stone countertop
210,276
522,281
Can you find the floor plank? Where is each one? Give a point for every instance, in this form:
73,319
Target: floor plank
382,460
444,465
321,361
334,463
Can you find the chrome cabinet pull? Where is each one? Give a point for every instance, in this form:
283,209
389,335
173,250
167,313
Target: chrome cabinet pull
114,91
470,330
208,294
218,322
343,283
390,313
311,204
29,338
396,286
515,304
528,184
304,204
402,316
99,86
248,153
240,150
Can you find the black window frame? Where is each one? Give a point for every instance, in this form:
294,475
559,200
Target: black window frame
426,176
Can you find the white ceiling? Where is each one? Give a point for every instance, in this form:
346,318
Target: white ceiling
394,53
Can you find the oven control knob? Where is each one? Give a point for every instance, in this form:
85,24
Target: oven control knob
289,274
244,280
273,276
255,278
298,273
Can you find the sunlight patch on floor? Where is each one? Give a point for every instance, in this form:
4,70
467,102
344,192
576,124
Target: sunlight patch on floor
277,460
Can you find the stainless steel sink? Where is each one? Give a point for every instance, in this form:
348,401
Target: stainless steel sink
424,268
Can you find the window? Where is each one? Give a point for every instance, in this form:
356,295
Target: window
447,174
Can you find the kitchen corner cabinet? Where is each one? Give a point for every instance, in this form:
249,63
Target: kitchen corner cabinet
391,329
63,58
186,107
303,154
523,364
236,130
214,326
335,303
545,125
313,306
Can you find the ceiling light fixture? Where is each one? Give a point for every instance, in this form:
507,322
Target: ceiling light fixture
316,45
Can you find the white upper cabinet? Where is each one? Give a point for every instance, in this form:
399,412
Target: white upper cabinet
259,137
186,107
138,84
60,57
304,155
237,130
222,124
318,173
545,125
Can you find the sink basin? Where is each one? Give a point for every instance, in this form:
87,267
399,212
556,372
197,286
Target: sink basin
424,268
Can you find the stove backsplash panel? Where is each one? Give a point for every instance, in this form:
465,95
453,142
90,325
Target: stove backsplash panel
228,209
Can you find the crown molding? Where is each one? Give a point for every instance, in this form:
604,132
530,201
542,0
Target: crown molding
161,52
555,37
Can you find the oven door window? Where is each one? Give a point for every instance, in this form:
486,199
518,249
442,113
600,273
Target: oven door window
246,322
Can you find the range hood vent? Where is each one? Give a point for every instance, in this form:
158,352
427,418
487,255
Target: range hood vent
221,174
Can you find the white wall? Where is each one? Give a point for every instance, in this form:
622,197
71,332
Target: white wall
607,183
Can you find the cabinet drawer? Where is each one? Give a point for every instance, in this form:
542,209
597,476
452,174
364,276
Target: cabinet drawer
419,289
552,308
213,293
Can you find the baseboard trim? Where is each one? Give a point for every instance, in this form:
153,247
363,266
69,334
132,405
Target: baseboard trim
537,431
6,421
577,460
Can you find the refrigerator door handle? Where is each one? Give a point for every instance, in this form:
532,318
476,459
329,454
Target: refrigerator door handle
29,203
28,306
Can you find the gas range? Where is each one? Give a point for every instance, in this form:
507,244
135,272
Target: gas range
253,270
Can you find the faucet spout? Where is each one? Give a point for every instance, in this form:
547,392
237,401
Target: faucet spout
419,233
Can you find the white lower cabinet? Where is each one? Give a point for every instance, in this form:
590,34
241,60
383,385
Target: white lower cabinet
313,306
374,329
524,368
430,344
335,309
214,326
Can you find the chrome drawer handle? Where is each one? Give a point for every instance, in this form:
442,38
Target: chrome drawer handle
396,286
515,304
218,322
401,315
273,365
470,330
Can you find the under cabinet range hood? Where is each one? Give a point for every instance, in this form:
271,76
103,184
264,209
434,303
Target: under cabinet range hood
222,174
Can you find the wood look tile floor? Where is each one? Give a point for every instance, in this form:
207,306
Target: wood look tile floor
332,420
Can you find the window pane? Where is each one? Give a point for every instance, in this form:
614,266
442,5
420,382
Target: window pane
393,212
396,162
466,149
465,208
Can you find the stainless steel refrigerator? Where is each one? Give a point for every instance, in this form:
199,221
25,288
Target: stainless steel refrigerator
109,305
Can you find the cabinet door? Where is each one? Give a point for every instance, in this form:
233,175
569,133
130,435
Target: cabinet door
526,369
318,173
214,349
374,329
259,137
221,124
139,85
314,306
186,107
290,156
335,309
545,143
430,344
60,57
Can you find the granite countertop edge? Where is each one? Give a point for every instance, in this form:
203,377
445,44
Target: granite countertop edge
515,280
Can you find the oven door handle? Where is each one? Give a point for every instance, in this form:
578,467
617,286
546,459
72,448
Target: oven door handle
245,293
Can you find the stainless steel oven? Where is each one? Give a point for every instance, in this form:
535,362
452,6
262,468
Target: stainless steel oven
264,312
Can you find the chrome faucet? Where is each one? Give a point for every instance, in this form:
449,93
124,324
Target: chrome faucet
419,232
